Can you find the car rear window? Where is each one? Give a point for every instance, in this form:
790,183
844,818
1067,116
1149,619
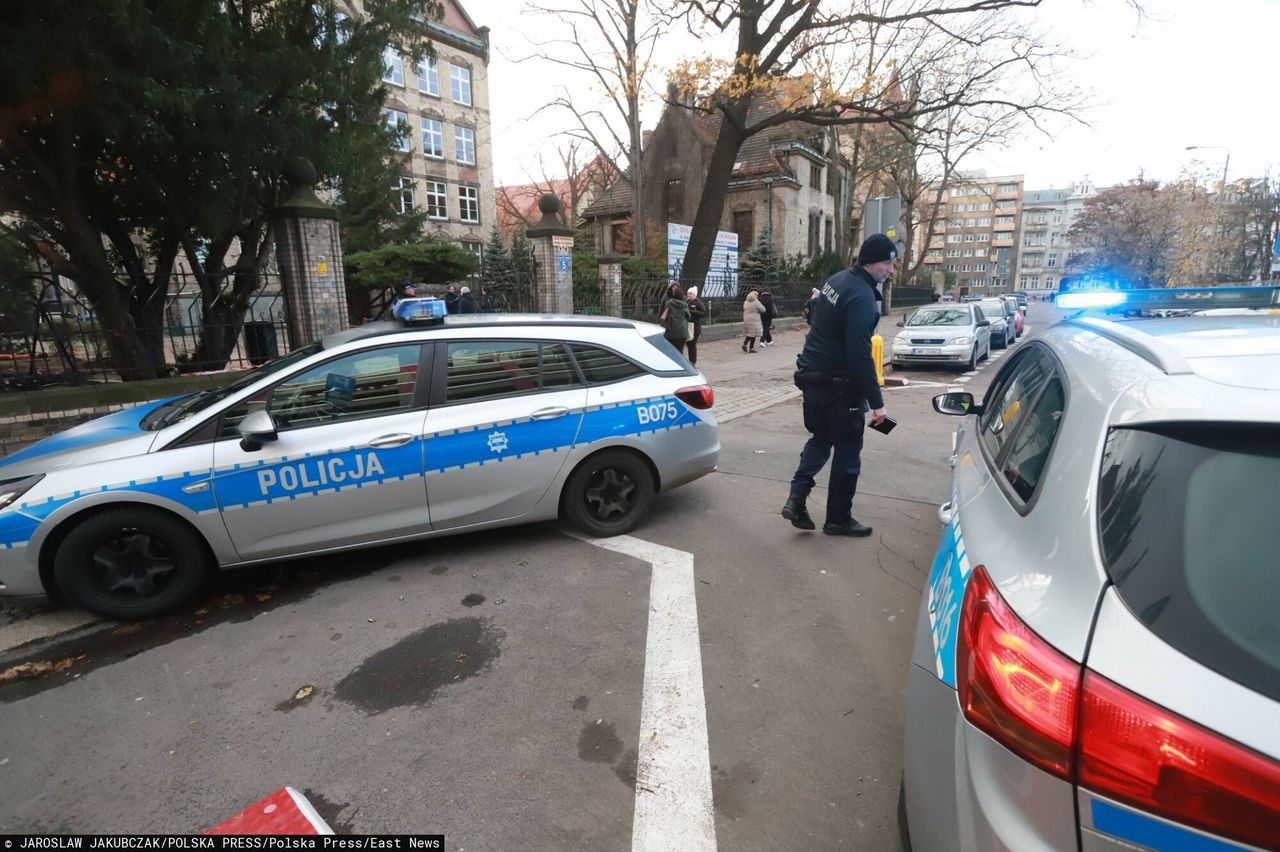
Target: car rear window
1191,537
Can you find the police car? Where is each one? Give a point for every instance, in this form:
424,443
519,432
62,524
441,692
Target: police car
1097,656
386,432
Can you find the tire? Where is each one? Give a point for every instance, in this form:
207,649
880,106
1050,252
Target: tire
1004,341
131,563
973,359
608,494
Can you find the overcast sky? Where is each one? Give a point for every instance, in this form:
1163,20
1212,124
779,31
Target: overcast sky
1193,72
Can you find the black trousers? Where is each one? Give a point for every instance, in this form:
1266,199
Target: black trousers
834,422
767,336
693,347
678,344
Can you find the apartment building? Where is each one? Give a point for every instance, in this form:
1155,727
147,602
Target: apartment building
977,232
1047,216
443,103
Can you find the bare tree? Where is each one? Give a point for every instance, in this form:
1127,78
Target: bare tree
607,41
812,57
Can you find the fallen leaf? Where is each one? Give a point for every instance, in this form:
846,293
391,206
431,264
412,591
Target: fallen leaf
305,692
37,669
202,611
127,629
231,600
263,598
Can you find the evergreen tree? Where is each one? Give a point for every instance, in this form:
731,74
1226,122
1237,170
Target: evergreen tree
761,267
499,272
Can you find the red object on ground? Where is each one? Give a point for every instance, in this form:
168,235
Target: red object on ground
286,811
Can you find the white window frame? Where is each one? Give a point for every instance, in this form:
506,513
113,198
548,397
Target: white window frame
437,200
394,118
433,132
392,67
469,196
429,72
404,191
464,145
460,84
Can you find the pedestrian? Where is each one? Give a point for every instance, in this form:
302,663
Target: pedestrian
808,306
697,313
675,318
752,324
767,318
466,302
450,300
488,301
837,376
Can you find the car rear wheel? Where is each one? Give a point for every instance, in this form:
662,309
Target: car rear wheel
608,494
131,563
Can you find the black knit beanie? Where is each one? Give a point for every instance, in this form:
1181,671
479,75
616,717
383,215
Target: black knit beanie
876,248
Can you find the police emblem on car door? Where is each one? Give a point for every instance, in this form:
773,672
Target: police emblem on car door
345,467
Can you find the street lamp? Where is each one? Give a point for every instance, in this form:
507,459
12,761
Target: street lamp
1225,165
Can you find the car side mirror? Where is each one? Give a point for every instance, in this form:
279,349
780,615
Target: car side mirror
957,403
902,323
984,323
255,430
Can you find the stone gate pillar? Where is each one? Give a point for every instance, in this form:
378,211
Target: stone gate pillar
611,284
310,257
552,245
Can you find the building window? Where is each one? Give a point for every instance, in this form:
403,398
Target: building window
815,225
404,195
464,145
827,235
955,238
953,252
744,225
398,122
392,67
428,77
460,85
1026,280
1008,187
675,201
469,204
815,176
437,202
433,138
1053,260
476,250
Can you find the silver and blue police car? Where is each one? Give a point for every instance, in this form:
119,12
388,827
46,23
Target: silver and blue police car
387,432
1097,657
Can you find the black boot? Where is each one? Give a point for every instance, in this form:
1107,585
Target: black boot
794,511
852,528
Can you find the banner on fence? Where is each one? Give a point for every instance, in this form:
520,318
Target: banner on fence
722,275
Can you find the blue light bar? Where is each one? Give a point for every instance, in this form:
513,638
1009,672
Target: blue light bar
419,310
1086,299
1189,299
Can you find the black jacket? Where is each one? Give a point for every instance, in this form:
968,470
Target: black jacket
844,317
697,313
451,303
770,310
466,304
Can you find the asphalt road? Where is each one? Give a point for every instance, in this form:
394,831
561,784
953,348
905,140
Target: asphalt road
490,687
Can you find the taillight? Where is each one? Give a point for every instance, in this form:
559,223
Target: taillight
1136,752
700,396
1013,685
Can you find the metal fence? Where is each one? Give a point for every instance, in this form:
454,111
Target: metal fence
58,340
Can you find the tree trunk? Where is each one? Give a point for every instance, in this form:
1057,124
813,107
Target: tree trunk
706,223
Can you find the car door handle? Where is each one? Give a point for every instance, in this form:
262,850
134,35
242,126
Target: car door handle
397,440
550,413
946,513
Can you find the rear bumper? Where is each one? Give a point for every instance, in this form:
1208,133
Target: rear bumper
687,454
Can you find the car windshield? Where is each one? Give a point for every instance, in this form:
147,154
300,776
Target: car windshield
940,316
992,307
182,408
1189,535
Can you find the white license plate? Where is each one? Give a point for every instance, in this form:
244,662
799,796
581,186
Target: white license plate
926,351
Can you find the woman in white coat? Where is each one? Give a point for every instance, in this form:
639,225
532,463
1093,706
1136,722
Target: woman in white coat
752,321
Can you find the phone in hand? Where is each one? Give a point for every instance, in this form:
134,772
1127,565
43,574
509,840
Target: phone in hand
886,425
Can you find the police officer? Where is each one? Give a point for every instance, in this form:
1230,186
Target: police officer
838,378
404,290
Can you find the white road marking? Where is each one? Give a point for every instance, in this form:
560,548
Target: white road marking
674,809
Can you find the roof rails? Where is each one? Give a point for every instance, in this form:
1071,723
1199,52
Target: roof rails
1150,348
388,327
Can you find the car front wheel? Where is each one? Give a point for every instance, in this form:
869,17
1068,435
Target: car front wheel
608,494
131,563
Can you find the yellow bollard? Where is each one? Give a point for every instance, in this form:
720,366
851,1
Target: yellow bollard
877,355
